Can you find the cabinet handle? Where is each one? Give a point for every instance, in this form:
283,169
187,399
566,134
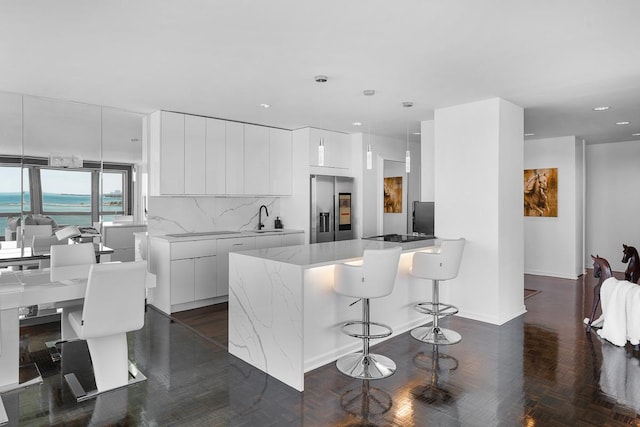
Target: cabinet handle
238,244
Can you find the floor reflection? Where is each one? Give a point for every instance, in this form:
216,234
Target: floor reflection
620,375
368,404
434,393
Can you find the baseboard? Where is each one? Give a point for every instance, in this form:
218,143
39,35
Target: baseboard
552,274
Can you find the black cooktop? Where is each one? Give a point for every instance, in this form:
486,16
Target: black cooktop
400,237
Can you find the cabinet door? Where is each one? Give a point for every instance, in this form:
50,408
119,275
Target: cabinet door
205,277
182,280
337,148
194,154
293,239
216,157
280,162
256,160
270,241
224,247
234,180
171,153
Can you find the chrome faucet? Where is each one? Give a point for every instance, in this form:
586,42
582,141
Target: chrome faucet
260,224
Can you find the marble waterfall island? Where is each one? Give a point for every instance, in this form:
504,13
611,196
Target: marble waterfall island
285,318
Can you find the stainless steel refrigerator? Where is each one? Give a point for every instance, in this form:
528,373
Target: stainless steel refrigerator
331,208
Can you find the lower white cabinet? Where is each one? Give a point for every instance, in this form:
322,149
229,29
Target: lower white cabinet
224,247
195,273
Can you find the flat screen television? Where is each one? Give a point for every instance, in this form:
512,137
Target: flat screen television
423,218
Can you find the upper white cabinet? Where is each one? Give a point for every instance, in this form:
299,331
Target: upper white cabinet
337,148
280,162
235,158
256,153
171,173
10,124
195,130
216,156
192,155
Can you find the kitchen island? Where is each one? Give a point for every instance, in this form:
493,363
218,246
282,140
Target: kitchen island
285,318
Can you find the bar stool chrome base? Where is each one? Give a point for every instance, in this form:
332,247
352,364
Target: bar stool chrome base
366,367
436,336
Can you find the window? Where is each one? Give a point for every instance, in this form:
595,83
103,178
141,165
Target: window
113,203
70,196
10,189
66,195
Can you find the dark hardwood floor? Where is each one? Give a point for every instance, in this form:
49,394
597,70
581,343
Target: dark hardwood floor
540,369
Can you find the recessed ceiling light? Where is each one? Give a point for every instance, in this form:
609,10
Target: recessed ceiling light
635,134
622,123
320,78
417,133
356,124
369,92
265,105
529,134
407,104
602,108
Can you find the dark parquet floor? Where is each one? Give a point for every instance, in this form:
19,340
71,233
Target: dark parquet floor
540,369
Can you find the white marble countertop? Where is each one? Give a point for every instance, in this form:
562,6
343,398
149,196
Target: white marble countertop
319,254
230,235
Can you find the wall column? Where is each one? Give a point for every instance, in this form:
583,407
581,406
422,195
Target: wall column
478,164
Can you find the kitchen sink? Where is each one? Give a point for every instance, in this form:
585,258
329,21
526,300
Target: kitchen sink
202,233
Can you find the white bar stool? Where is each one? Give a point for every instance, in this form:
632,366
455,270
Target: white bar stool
441,264
373,278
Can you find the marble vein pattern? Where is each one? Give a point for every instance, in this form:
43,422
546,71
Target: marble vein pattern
265,316
197,214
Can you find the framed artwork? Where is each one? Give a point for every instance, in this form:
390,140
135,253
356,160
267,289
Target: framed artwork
393,194
541,192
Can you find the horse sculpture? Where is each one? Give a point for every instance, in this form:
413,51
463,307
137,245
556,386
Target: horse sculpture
630,256
601,271
535,194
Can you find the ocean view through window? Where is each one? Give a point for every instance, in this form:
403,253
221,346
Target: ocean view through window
69,196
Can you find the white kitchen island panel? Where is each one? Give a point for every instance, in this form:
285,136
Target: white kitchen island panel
285,318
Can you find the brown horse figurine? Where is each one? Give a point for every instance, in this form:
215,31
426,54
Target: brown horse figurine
630,255
601,271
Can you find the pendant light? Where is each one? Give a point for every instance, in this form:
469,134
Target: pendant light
369,92
407,153
321,152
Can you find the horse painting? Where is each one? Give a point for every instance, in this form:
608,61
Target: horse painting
535,195
630,256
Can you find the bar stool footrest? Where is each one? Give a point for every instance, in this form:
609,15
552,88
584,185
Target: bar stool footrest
347,325
440,309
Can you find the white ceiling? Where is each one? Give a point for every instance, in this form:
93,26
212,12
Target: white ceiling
556,59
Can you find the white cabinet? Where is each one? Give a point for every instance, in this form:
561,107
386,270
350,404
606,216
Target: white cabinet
194,154
205,277
280,162
269,241
182,281
171,173
293,239
235,158
223,248
337,148
256,164
216,156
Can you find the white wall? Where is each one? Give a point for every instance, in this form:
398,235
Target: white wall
427,145
553,246
385,149
612,200
478,195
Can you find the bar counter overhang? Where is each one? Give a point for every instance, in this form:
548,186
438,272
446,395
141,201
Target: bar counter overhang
285,318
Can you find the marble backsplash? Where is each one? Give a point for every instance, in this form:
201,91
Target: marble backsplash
196,214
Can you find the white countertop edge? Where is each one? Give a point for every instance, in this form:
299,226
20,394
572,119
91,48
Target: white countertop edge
240,233
308,256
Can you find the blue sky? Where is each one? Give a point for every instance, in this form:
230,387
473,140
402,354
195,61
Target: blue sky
58,181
